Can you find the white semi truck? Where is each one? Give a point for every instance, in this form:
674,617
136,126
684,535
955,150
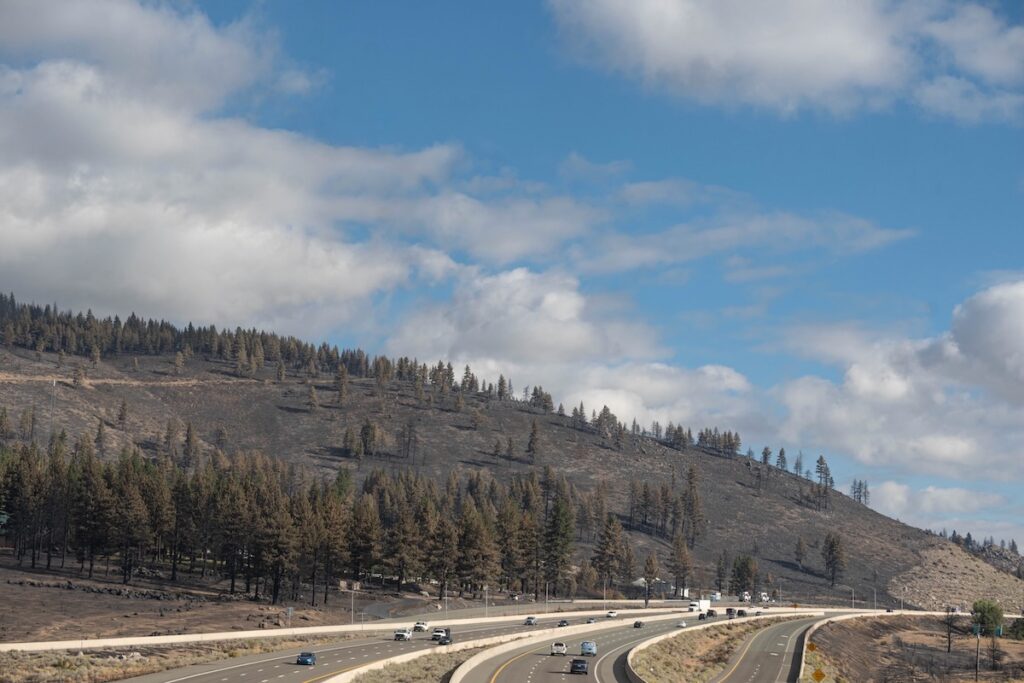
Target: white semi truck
700,605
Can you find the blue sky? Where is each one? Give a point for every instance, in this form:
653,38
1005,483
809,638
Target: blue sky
803,223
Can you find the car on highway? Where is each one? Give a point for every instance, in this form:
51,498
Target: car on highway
681,624
588,648
730,612
306,659
638,624
758,613
559,648
438,633
712,613
591,620
578,666
403,634
741,612
563,622
530,621
419,626
447,638
702,616
612,614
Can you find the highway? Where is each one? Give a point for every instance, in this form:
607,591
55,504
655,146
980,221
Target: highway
535,664
768,656
337,657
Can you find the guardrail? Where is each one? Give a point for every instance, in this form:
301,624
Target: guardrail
635,677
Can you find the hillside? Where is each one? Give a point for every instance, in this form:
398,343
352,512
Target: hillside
261,413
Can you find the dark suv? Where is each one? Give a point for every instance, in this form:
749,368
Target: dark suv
578,666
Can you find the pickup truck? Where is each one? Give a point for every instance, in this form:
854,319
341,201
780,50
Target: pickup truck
403,634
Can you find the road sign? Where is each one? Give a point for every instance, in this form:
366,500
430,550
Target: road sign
818,675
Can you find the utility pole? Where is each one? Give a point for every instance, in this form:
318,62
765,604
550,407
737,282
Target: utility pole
874,597
485,602
977,654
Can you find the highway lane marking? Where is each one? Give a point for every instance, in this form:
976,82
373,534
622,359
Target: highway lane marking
505,665
739,659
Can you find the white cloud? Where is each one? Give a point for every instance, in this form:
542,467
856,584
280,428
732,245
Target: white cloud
949,508
796,54
540,328
951,404
731,232
577,166
123,187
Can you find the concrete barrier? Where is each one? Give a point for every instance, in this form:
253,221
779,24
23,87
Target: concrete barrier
635,677
463,670
184,638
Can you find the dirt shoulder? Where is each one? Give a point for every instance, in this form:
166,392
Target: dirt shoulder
905,648
696,656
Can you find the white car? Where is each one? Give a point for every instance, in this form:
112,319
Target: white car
559,649
403,634
420,626
681,624
612,614
438,634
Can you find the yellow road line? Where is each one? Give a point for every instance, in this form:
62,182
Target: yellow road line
333,673
502,667
743,654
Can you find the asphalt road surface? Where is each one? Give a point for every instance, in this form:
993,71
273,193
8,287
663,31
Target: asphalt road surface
333,658
768,656
535,664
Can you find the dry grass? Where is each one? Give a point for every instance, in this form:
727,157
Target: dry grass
899,648
696,656
113,665
436,668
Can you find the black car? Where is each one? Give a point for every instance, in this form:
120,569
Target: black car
306,659
638,624
741,613
578,666
563,622
446,639
712,613
701,616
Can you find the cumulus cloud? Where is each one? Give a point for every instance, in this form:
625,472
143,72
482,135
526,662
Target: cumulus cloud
951,404
785,56
949,508
124,186
539,327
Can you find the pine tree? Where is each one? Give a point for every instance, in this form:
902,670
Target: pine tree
533,444
122,416
179,362
679,562
766,455
800,552
780,460
342,384
834,556
558,534
650,575
365,536
279,373
312,400
101,438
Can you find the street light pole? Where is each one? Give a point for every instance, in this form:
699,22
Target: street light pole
485,602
